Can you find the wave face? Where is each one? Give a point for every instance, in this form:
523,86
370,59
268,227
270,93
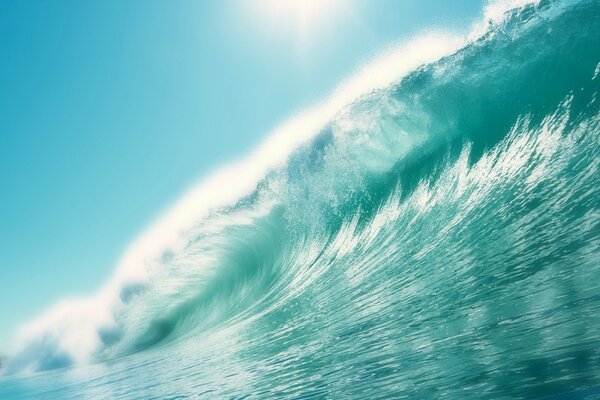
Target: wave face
439,236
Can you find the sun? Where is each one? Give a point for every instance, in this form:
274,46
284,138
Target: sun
303,18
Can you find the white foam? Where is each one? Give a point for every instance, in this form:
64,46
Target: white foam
494,13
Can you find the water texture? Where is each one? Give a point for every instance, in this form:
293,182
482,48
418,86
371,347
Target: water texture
438,237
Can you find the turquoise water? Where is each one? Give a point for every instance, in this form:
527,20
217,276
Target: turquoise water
439,237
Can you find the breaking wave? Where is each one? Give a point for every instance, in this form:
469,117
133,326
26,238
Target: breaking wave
435,222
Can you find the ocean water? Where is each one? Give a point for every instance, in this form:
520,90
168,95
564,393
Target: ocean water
436,235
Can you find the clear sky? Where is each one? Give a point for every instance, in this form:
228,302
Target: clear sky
110,110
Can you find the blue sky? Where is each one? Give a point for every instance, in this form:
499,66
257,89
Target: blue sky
110,110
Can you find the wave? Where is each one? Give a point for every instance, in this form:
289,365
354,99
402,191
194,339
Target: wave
452,150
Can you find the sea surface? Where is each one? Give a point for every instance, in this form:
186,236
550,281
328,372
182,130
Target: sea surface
436,236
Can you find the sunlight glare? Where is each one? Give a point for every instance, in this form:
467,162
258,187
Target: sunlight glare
303,17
